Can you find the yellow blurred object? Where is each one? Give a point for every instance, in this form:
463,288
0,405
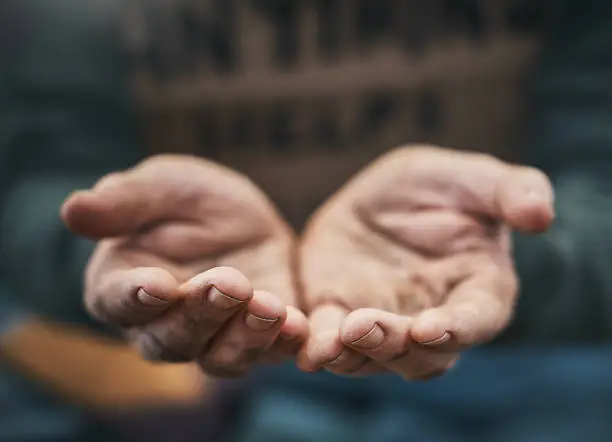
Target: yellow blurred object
96,371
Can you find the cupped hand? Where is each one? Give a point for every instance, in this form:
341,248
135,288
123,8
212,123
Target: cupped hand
411,262
193,262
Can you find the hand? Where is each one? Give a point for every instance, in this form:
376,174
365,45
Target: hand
411,261
182,243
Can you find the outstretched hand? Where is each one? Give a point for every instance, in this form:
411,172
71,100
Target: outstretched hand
411,261
183,243
406,266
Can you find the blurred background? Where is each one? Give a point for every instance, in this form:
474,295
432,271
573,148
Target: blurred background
299,95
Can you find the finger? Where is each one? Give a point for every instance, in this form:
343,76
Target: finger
380,335
129,297
324,348
292,336
295,327
118,205
208,302
518,195
212,298
247,337
384,337
474,313
525,197
121,203
521,196
182,241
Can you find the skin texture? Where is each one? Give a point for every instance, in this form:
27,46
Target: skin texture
192,262
402,269
410,262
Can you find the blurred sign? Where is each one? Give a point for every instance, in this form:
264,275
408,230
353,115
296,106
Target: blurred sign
301,94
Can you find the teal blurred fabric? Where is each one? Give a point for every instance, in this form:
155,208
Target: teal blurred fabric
506,395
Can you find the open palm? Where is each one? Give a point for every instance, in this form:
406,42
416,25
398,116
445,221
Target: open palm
183,243
411,261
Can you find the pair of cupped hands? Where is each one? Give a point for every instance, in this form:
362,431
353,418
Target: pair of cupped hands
403,268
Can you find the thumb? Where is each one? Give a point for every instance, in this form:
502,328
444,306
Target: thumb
474,183
520,196
122,203
160,188
324,343
525,198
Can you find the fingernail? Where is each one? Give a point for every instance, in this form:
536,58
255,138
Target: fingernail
147,299
221,300
257,323
438,341
338,359
371,339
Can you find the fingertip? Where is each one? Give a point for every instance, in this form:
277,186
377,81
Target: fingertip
319,350
357,325
526,198
227,280
80,212
295,327
266,305
324,343
155,286
535,214
68,205
129,297
430,329
303,363
147,299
